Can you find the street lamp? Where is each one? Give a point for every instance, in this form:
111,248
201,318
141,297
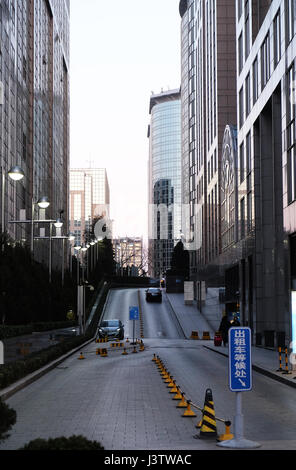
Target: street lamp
16,174
43,202
58,224
71,238
77,248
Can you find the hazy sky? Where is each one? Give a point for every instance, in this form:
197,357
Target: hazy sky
121,50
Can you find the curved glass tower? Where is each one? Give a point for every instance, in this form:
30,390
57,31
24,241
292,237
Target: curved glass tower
164,179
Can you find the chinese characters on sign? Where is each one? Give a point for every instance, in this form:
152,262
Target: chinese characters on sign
240,366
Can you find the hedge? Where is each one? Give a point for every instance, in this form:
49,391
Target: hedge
7,420
7,331
13,371
63,443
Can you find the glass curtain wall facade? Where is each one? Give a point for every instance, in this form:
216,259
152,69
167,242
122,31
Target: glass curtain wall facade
164,179
34,114
208,60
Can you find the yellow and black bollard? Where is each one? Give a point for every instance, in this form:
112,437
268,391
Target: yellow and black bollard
103,352
189,413
208,427
174,389
280,360
183,402
81,356
124,352
168,379
178,395
227,435
286,371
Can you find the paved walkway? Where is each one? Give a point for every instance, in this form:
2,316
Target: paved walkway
264,360
136,413
19,346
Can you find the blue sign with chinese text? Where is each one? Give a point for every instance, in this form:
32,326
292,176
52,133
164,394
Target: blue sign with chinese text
240,363
134,313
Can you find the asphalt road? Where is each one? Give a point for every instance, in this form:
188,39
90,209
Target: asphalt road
122,401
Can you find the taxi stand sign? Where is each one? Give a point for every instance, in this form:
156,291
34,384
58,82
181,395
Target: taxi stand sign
240,363
240,380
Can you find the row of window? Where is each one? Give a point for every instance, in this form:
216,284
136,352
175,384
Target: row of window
265,56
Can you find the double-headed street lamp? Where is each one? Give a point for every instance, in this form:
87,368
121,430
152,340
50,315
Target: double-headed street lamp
16,174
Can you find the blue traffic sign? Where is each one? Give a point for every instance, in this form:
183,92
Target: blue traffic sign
134,313
240,363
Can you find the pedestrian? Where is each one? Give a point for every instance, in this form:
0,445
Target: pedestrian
224,327
235,322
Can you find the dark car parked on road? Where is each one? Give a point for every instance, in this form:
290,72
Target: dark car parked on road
111,329
153,295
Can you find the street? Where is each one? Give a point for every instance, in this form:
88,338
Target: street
122,401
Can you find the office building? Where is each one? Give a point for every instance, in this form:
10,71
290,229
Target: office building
254,255
164,224
34,111
89,200
208,96
265,247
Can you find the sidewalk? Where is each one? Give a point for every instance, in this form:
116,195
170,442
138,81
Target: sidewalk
264,360
32,343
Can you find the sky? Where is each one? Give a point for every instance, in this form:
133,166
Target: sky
121,51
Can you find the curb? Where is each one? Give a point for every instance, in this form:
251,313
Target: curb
176,316
262,371
7,392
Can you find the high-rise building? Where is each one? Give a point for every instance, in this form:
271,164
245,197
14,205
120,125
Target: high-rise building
164,222
89,199
264,251
255,259
208,96
34,109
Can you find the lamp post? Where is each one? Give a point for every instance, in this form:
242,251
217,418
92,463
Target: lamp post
16,174
77,248
71,239
43,203
58,225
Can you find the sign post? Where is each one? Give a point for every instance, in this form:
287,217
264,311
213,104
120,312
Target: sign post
240,380
134,316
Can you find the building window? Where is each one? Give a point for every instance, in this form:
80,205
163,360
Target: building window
248,95
249,209
248,153
240,53
247,29
241,107
255,81
24,152
277,38
242,163
265,61
239,8
290,12
242,214
291,136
